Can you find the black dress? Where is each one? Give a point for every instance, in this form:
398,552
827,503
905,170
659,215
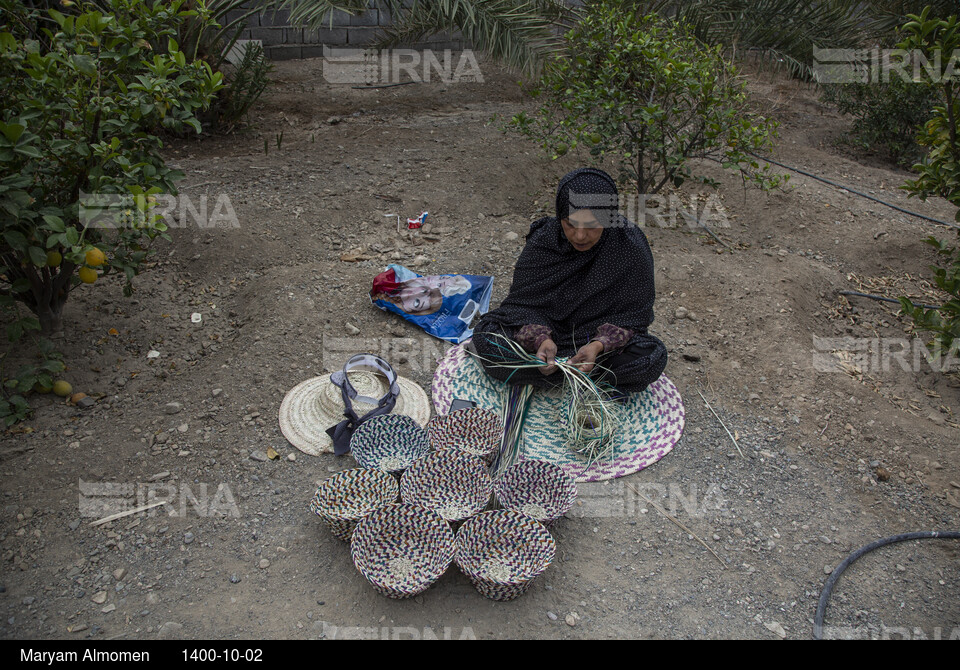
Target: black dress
575,292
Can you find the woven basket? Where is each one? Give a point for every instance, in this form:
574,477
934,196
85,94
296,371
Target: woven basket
452,483
402,549
348,496
538,489
475,430
390,443
503,551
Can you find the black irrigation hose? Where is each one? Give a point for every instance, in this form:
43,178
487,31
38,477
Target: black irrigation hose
835,575
862,195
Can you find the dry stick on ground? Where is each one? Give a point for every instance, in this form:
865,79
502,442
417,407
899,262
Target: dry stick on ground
129,512
692,219
714,236
721,423
664,513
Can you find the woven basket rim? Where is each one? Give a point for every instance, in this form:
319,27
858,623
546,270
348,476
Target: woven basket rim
470,567
424,473
442,555
361,444
566,487
445,423
336,479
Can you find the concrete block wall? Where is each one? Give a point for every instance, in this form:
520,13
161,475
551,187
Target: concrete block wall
282,41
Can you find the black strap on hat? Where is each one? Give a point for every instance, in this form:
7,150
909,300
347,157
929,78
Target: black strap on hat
343,431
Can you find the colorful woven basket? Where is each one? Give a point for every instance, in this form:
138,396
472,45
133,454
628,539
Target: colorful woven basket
475,430
348,496
402,549
503,551
390,443
538,489
450,482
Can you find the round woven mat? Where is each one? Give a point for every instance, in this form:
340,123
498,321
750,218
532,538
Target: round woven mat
652,426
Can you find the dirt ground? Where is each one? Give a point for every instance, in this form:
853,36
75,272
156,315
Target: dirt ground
248,560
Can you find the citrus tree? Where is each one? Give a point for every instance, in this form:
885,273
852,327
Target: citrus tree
939,171
84,92
643,90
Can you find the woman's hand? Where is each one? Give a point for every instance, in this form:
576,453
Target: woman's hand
586,357
547,353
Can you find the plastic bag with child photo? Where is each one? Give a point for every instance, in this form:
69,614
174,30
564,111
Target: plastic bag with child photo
443,305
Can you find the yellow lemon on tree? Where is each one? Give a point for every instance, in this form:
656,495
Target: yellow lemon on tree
62,388
95,258
87,275
54,258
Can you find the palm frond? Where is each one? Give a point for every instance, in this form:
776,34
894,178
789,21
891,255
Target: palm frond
891,14
516,33
784,31
519,33
315,14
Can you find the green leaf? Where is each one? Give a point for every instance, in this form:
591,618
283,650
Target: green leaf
57,16
37,256
53,366
55,222
12,131
14,331
7,42
28,150
15,239
84,64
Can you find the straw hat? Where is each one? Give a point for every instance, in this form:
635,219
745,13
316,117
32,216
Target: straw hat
312,406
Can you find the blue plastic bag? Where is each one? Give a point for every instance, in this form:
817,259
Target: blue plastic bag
443,305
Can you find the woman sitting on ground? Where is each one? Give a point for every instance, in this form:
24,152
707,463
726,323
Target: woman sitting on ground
582,288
